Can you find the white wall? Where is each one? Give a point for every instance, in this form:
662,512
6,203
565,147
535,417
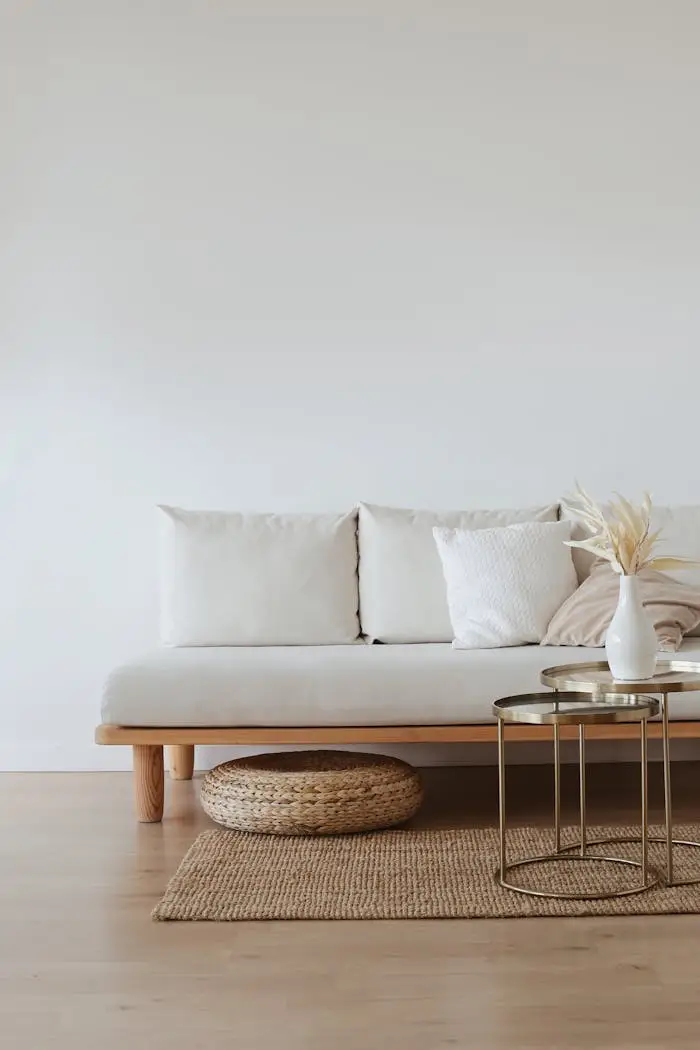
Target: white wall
287,255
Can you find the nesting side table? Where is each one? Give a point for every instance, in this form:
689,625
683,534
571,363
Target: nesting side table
573,708
671,676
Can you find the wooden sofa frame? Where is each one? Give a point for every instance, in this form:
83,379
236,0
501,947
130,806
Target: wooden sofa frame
148,743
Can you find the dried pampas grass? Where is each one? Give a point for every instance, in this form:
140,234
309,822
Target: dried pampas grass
622,535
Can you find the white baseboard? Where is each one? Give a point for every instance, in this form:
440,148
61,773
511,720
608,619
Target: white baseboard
49,756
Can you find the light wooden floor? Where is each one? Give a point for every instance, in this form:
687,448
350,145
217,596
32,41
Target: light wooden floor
82,966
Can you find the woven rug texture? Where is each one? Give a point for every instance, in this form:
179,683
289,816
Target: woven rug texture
429,874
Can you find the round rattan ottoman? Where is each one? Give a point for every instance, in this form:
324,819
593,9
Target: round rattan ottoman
311,793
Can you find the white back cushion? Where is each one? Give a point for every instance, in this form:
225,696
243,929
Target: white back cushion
258,579
505,585
681,537
402,588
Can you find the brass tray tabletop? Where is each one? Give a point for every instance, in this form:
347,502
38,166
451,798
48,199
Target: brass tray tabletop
573,708
594,678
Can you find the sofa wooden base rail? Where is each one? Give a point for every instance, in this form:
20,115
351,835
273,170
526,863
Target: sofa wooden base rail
148,743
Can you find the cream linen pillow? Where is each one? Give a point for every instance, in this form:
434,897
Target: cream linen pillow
503,585
584,618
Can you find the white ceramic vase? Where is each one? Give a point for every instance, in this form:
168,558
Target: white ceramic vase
631,644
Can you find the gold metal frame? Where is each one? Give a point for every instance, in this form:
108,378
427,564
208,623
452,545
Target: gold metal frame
667,679
514,709
574,708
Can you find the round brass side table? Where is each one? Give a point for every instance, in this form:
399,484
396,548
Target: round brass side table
573,708
671,676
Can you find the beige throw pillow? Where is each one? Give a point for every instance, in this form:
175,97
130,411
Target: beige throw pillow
584,618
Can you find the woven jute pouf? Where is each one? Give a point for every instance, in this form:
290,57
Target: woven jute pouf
311,793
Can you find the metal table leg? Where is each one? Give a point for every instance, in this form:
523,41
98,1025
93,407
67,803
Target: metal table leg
557,792
668,839
668,805
644,801
582,788
502,797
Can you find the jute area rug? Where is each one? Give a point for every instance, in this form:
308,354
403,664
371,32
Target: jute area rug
433,874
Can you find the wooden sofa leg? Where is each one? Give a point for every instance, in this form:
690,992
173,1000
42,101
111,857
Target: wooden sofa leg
181,761
149,782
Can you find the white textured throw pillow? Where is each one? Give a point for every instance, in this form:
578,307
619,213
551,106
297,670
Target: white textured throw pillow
258,579
402,588
504,585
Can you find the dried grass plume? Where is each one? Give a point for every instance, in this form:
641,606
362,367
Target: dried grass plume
622,534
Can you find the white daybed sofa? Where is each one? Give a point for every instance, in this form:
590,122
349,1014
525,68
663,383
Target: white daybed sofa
235,586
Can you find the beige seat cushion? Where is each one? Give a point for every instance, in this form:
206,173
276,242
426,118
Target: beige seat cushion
585,616
335,685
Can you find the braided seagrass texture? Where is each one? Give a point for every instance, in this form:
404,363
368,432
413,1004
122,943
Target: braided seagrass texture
410,874
311,793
